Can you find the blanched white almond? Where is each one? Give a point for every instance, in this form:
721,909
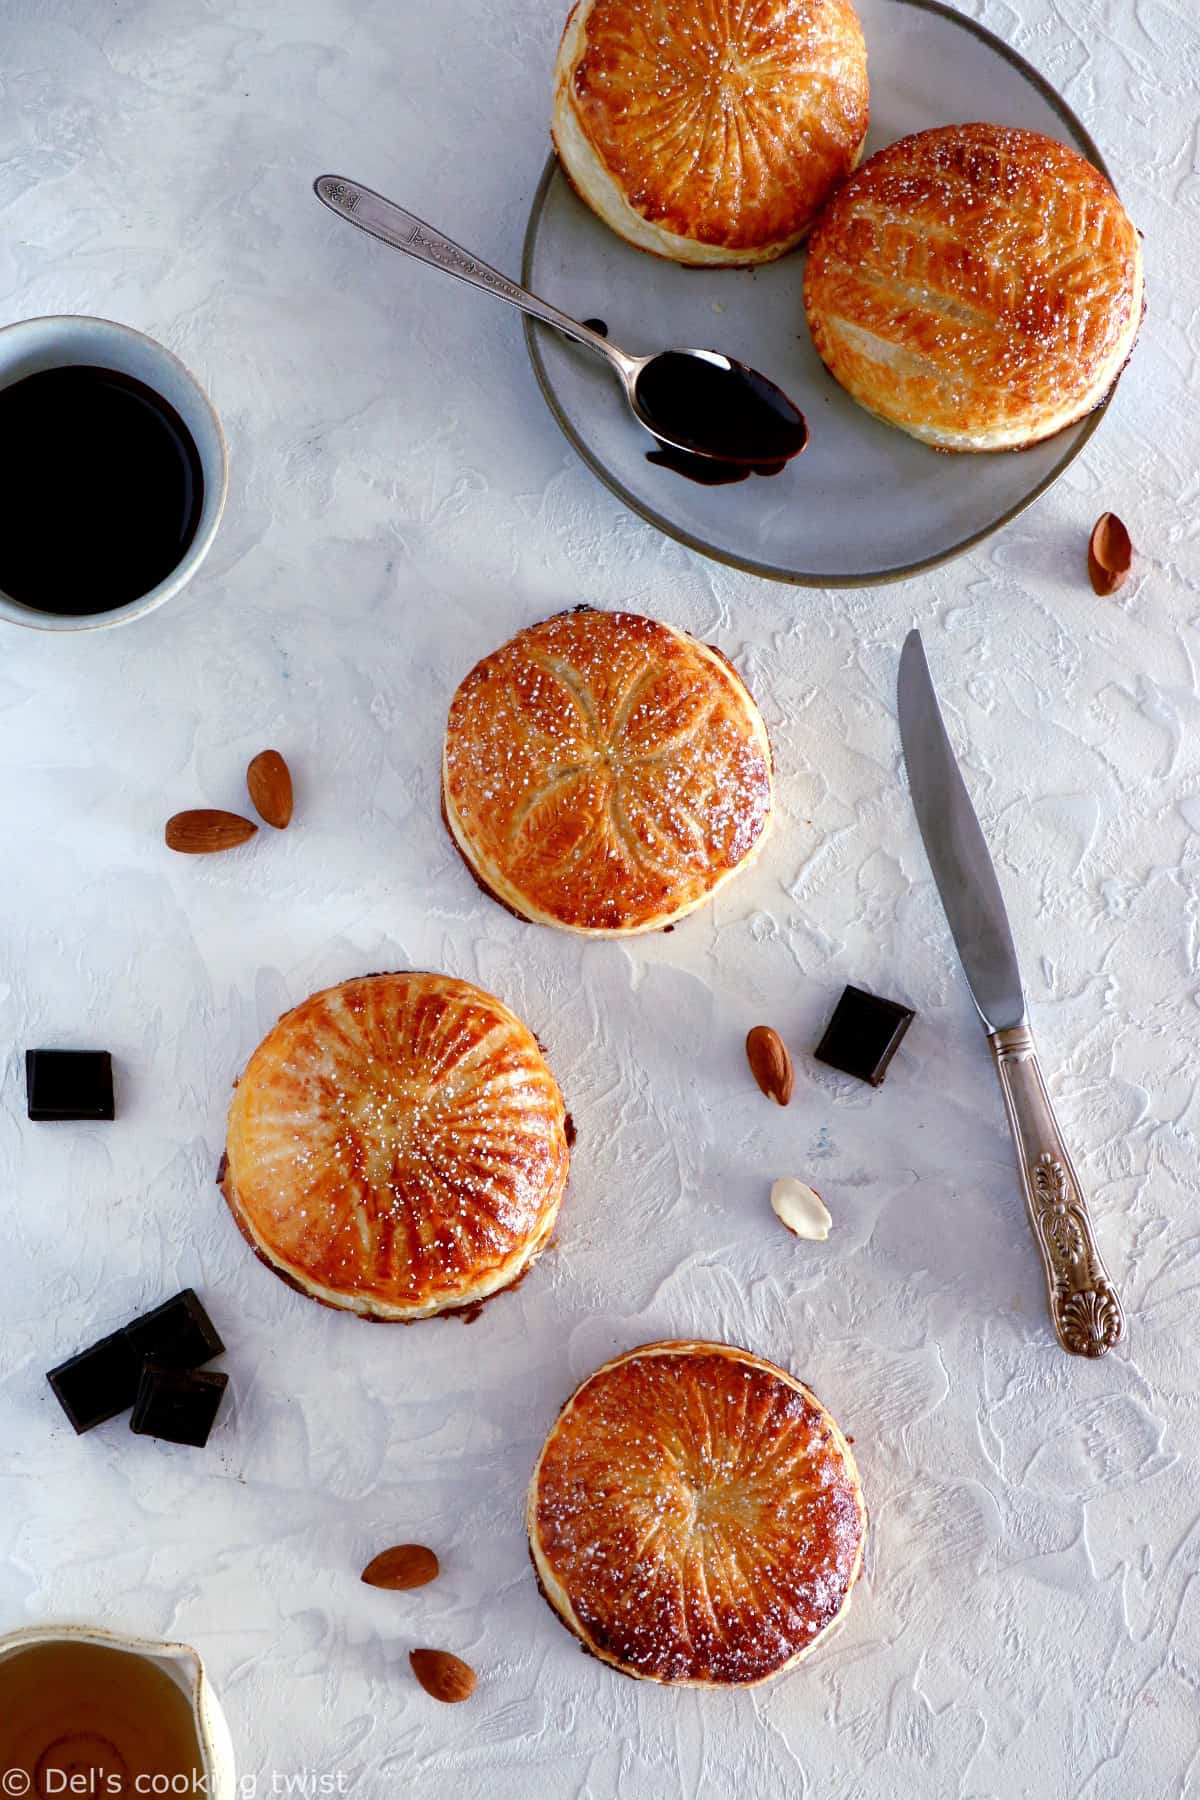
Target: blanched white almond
800,1208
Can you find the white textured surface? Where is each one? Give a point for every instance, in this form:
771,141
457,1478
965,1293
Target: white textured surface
1029,1621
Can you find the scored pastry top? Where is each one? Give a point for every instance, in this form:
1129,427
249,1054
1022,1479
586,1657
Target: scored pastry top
397,1146
605,773
978,286
695,1516
710,131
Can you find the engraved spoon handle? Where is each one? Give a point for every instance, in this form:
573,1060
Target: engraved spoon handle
1084,1306
390,223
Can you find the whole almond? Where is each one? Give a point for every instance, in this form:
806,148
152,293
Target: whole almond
770,1064
403,1566
270,783
1110,554
203,830
448,1678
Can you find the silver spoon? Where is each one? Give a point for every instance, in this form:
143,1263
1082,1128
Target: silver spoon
699,402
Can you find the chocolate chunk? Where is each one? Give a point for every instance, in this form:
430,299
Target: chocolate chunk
177,1404
178,1334
99,1383
69,1084
864,1034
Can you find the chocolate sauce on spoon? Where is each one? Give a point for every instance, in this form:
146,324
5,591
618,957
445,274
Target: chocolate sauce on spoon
736,405
710,407
699,404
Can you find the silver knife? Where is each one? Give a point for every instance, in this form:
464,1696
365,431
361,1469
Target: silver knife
1083,1302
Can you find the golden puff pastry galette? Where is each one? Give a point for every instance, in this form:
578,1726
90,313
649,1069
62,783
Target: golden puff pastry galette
696,1516
710,131
605,773
978,286
397,1147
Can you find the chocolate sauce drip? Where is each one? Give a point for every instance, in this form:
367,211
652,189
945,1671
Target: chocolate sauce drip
706,470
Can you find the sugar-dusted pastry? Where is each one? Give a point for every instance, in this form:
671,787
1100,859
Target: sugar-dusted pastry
978,286
605,773
696,1517
710,131
397,1147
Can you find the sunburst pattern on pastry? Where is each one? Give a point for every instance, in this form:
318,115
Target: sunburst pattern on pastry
710,131
696,1516
979,287
397,1146
605,773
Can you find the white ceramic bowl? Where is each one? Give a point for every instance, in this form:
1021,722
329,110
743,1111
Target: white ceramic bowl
69,340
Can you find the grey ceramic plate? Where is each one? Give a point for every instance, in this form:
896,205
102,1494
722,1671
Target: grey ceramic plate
864,503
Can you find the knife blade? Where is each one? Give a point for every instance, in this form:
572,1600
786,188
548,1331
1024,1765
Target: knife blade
1084,1307
955,846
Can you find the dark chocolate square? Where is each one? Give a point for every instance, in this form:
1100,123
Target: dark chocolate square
69,1084
99,1383
864,1034
179,1405
178,1334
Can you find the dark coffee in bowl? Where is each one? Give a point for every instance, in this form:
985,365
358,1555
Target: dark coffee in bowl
102,490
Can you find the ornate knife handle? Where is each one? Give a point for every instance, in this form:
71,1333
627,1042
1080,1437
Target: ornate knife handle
1083,1302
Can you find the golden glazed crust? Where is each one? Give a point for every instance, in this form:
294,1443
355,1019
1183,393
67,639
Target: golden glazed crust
977,286
696,1516
605,773
710,131
397,1147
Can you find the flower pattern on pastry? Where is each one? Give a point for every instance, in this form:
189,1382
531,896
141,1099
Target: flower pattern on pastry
605,772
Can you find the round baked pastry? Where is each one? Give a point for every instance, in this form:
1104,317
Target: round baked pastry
977,286
605,773
710,131
397,1147
696,1517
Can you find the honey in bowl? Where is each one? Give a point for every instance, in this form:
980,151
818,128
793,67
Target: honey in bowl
78,1718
